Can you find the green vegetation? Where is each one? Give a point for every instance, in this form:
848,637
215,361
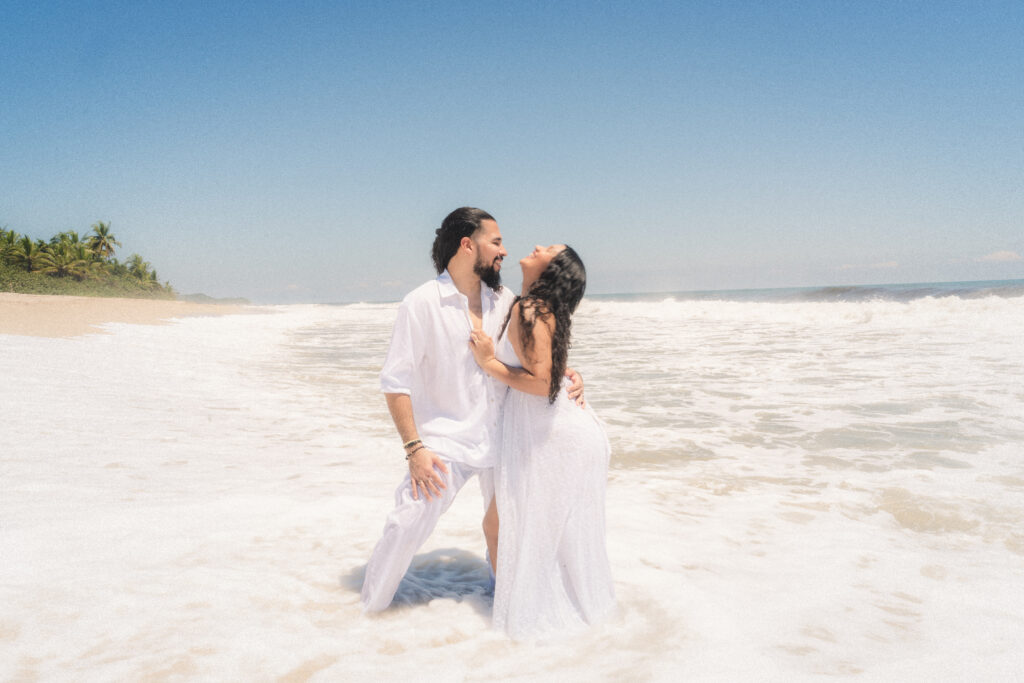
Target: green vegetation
71,264
206,299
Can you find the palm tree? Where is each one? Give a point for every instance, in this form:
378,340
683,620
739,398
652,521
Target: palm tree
116,268
66,258
93,266
102,241
69,255
67,237
28,253
137,267
8,240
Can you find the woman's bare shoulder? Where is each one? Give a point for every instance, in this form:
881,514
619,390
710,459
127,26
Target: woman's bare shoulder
533,312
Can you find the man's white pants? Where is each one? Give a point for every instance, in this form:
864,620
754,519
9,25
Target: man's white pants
408,527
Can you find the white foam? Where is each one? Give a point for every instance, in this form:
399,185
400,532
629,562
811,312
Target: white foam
798,490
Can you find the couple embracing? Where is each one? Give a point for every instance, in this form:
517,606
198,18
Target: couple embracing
474,382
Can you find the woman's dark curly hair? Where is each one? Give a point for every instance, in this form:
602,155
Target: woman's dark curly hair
557,292
462,222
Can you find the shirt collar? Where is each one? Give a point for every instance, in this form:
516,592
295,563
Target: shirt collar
448,289
446,286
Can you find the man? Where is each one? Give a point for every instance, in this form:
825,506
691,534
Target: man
446,409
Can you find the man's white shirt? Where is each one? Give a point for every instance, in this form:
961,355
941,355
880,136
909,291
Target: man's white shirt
455,404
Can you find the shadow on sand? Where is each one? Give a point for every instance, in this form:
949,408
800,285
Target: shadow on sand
443,573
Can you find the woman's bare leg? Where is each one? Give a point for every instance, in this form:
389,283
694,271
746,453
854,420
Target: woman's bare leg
491,534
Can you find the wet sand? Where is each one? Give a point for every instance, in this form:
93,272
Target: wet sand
42,315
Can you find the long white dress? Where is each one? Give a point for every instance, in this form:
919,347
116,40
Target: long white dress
553,574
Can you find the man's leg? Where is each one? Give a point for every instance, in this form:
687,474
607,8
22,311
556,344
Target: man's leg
407,528
490,522
491,536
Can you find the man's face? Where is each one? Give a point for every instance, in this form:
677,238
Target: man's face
489,254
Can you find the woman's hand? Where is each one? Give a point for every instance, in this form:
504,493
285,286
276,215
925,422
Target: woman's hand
482,346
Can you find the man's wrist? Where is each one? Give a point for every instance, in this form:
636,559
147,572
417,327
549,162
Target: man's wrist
422,446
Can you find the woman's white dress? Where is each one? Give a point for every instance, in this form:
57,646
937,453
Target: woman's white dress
553,575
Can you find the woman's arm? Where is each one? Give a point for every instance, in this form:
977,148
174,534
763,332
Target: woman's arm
535,375
519,379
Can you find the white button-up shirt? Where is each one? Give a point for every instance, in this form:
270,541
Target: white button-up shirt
455,404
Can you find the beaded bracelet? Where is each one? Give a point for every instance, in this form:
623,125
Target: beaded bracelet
409,454
407,444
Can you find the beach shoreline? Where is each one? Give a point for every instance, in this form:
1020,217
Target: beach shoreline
50,315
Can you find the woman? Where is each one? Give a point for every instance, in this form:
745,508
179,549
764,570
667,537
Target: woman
551,566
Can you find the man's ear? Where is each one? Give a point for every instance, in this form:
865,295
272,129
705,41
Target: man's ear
466,243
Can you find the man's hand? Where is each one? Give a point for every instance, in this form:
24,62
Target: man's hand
576,389
423,471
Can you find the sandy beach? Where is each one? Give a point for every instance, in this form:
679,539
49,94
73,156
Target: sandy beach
42,315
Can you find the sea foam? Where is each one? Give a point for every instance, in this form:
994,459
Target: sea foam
798,489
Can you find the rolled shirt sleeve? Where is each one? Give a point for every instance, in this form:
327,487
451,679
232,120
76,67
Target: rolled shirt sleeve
398,374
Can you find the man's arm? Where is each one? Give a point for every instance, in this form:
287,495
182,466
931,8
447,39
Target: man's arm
423,461
400,407
396,378
575,389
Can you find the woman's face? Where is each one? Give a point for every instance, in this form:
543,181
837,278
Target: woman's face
538,259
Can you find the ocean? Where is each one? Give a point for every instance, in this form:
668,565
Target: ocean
805,484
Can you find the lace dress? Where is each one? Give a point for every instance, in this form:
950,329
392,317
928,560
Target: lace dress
553,575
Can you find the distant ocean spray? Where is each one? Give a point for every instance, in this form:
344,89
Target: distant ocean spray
891,292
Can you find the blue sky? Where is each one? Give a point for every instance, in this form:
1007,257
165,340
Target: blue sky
306,151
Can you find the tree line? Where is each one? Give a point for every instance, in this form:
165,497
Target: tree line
80,258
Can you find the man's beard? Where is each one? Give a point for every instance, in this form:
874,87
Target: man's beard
489,275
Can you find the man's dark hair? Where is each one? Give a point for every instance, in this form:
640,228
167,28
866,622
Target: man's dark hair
461,222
